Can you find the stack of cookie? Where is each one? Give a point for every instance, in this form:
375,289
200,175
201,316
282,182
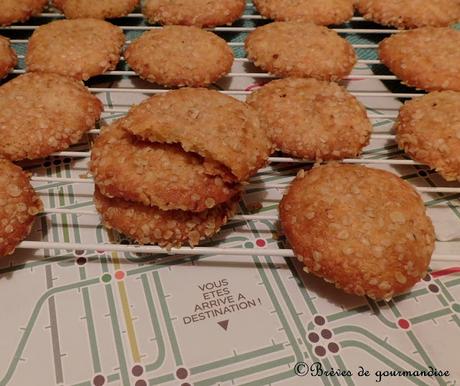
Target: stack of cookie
170,172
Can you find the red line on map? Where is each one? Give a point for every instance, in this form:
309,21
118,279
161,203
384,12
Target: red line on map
444,272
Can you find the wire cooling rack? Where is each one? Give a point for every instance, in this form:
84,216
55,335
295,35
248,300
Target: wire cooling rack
379,90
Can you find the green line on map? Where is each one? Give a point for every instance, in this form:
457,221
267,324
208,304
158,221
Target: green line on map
382,358
431,315
117,334
167,318
295,317
271,379
341,364
236,359
347,313
247,371
162,379
444,292
279,311
423,354
155,325
91,330
35,312
378,313
382,343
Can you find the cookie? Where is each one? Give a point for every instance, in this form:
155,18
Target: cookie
78,48
8,57
216,126
301,50
19,205
168,228
14,11
44,113
405,14
177,56
158,175
198,13
428,129
100,9
312,119
322,12
365,230
427,58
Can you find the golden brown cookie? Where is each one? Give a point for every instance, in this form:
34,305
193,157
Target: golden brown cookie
301,50
78,48
199,13
8,57
14,11
312,119
406,14
216,126
155,174
426,58
44,113
180,56
168,228
428,129
322,12
99,9
365,230
18,206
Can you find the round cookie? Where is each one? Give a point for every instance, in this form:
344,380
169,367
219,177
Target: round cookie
198,13
8,57
78,48
428,129
365,230
216,126
312,119
43,113
426,58
322,12
14,11
18,206
406,14
168,228
180,56
156,174
99,9
302,50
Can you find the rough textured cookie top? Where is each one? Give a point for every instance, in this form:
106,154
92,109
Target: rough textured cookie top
323,12
168,228
13,11
97,9
428,129
18,206
155,174
427,58
199,13
180,56
216,126
365,230
300,50
312,119
44,113
411,13
8,58
78,48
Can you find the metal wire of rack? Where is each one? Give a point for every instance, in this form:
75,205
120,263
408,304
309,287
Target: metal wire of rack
113,112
